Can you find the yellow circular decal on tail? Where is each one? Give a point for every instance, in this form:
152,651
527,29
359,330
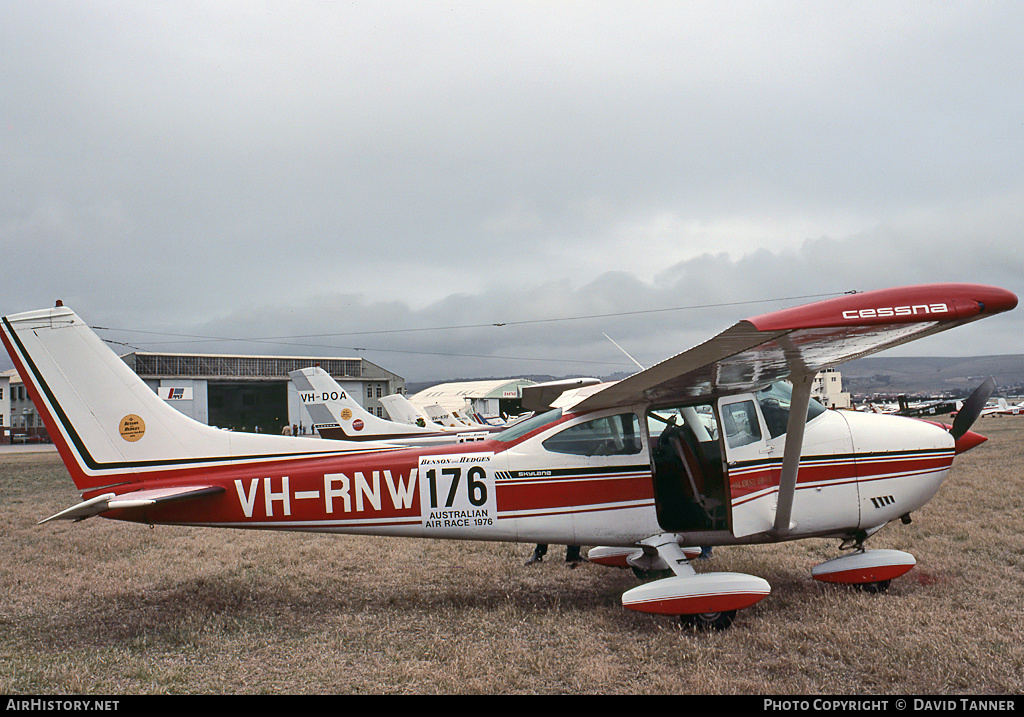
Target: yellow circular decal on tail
132,428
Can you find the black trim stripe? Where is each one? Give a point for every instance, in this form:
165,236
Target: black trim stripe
841,457
571,472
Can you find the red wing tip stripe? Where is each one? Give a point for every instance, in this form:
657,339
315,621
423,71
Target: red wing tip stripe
927,303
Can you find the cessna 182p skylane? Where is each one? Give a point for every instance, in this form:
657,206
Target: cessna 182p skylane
719,445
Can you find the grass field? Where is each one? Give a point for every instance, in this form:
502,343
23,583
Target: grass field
116,608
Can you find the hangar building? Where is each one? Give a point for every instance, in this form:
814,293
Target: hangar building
254,393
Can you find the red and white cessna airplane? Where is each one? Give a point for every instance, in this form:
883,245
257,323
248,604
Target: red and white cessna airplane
719,445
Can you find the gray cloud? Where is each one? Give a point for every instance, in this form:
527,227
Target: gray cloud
309,169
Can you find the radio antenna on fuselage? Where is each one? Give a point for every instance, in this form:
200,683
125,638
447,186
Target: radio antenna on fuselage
642,367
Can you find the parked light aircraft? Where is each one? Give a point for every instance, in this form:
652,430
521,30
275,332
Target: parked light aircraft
903,407
1006,409
919,409
401,410
336,415
999,408
718,445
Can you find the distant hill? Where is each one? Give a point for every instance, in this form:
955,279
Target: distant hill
933,376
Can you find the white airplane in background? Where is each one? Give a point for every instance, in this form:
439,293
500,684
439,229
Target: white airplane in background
1000,408
402,410
1003,408
719,445
1006,409
449,419
882,408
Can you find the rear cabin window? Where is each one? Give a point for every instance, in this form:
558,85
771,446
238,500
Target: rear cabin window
609,436
523,427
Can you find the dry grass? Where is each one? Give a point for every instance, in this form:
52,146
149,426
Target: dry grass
106,607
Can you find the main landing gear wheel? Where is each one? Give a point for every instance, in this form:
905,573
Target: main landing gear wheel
650,574
708,621
874,588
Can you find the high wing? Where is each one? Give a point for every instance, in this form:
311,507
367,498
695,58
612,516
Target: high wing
795,344
801,341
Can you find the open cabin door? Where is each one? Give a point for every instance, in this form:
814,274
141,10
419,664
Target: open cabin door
689,483
757,431
752,464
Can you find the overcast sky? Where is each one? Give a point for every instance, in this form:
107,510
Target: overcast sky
308,172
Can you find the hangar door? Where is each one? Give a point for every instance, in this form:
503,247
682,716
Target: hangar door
246,405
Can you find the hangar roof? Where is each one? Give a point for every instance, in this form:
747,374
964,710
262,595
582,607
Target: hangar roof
234,366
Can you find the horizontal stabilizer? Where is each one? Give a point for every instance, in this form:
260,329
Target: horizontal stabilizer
135,499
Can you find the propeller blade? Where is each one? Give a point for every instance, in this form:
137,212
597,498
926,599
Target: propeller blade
972,408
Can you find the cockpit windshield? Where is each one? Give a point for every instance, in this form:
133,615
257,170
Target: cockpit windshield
775,400
523,427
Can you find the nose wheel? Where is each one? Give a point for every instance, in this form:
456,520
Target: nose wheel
874,588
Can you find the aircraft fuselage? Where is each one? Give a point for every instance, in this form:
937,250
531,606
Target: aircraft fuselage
858,472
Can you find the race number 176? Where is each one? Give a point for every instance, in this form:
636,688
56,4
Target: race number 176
456,492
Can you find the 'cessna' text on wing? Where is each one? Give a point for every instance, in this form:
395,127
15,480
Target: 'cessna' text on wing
887,311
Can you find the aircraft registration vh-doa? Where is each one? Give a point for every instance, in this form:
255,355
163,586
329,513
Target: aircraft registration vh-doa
718,445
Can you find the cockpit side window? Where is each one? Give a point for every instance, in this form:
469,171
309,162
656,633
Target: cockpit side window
609,436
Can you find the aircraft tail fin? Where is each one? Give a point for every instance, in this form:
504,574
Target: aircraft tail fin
402,411
442,416
335,414
110,427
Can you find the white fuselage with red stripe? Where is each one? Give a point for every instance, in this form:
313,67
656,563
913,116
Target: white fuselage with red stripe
852,478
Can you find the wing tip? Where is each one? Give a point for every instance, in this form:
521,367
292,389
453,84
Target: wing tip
906,304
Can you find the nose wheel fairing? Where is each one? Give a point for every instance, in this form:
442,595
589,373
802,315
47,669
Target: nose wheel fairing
865,567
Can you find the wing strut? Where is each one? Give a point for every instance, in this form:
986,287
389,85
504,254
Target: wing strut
802,383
